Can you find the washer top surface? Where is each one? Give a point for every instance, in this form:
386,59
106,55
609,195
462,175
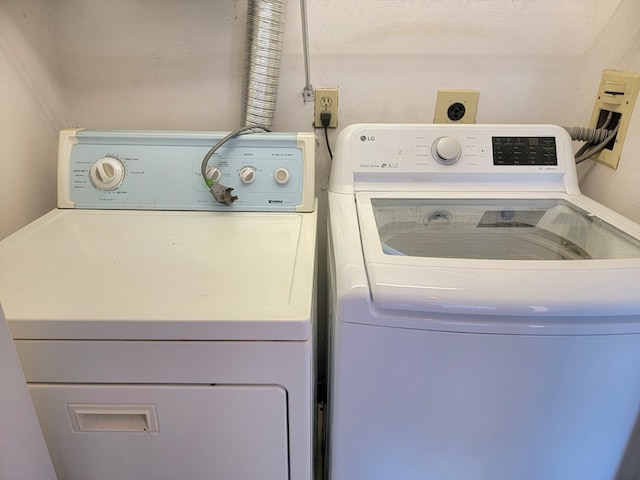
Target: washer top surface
88,274
540,257
498,239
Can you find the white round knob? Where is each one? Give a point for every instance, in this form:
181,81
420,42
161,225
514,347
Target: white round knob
107,173
214,174
281,176
247,174
446,150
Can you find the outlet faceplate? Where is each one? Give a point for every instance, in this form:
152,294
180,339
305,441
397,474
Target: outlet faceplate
326,101
456,106
617,96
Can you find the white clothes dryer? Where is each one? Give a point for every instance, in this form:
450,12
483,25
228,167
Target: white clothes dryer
164,335
484,314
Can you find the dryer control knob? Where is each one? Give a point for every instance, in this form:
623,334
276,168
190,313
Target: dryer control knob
247,174
446,150
214,174
107,173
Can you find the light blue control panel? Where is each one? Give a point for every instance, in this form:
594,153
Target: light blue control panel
161,170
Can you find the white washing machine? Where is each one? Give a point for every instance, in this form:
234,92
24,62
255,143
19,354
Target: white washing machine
164,335
485,316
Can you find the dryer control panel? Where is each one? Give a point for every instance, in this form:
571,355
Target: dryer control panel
161,170
399,157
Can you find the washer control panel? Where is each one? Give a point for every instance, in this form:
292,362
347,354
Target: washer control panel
459,157
467,149
162,170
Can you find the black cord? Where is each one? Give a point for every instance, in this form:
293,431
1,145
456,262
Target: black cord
326,138
325,118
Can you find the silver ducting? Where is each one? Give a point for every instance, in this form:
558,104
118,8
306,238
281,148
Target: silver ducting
263,53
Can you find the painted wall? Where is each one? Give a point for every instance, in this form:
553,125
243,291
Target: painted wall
617,47
32,110
168,64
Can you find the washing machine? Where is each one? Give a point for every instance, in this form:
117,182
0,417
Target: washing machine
484,314
162,334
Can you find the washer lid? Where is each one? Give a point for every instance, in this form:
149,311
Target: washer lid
76,274
529,256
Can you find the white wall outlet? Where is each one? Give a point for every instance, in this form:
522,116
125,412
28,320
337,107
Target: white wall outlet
613,107
326,101
456,106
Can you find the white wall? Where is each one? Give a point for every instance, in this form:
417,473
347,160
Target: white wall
31,112
617,47
169,64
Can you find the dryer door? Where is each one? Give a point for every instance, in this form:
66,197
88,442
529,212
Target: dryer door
537,257
154,432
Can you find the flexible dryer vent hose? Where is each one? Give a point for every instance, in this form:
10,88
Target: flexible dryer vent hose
263,53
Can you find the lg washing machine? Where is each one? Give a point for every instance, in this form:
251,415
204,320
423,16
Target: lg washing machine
484,314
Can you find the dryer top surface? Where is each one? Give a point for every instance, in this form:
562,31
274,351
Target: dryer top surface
160,275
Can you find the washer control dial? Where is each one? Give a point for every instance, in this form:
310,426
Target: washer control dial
281,176
446,150
107,173
247,174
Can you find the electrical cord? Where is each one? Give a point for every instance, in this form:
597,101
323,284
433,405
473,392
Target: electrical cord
221,193
325,118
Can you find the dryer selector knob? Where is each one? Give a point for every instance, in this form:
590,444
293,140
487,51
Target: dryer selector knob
446,150
213,174
107,173
247,174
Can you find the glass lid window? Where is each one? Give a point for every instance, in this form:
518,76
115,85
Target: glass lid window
497,230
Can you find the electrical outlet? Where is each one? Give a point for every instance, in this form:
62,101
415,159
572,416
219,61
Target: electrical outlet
456,106
616,99
326,101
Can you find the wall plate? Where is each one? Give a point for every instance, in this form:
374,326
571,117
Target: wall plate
617,96
326,101
456,106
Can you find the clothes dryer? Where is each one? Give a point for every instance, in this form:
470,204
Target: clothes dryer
164,335
484,314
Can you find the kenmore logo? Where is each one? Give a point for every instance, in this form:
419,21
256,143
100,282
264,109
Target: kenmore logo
275,201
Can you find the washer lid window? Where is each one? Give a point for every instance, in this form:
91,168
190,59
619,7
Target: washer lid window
497,230
487,256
